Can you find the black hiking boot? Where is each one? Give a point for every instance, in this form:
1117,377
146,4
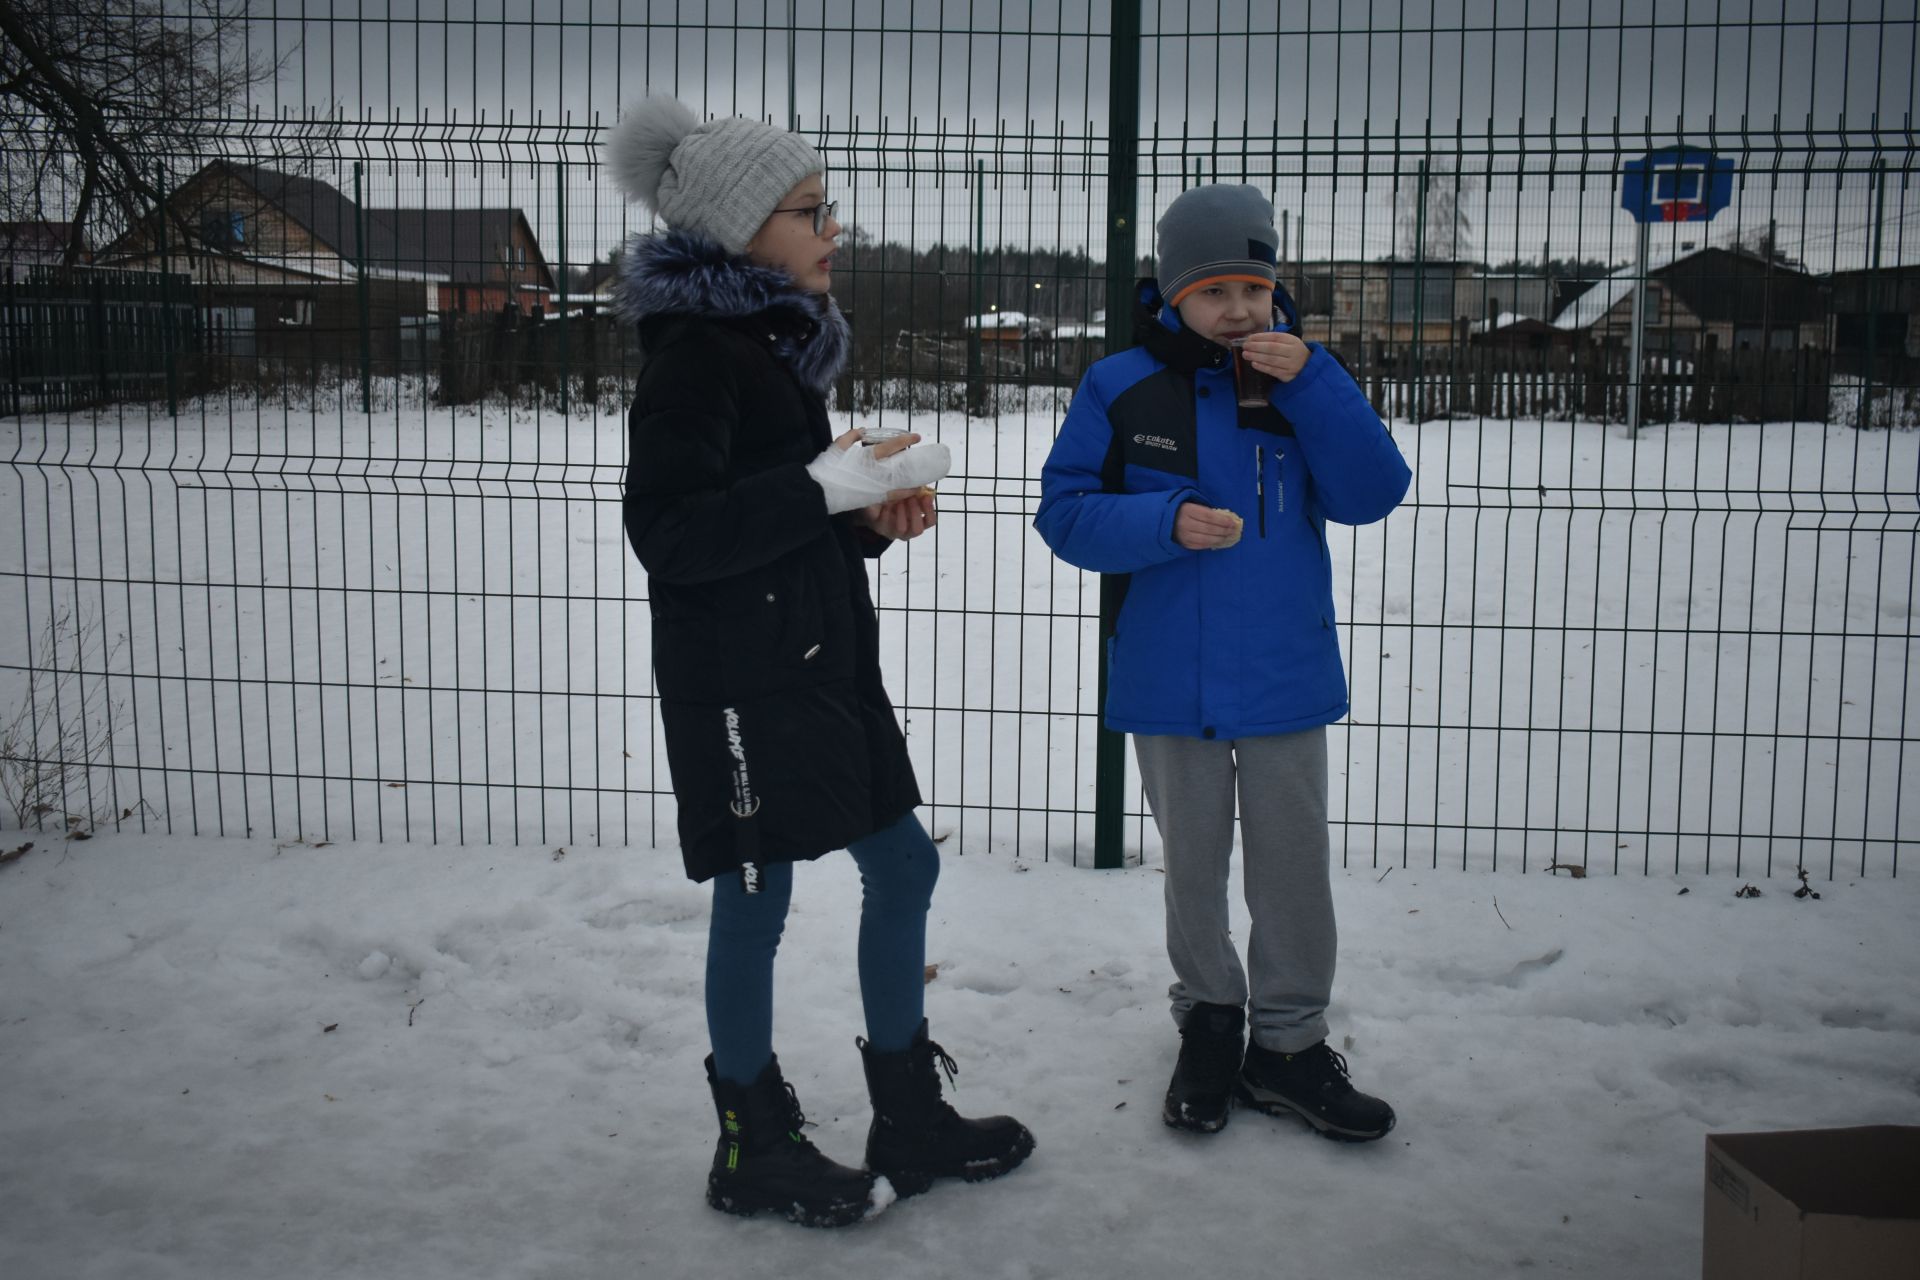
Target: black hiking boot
763,1163
1313,1085
1201,1092
917,1137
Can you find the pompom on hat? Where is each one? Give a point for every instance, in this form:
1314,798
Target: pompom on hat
1212,234
721,178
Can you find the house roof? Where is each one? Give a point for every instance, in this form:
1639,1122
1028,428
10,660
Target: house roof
1882,289
1734,286
460,244
430,244
1715,284
1587,309
326,213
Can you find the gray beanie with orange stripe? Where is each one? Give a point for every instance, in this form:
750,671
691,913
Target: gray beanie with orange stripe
1215,233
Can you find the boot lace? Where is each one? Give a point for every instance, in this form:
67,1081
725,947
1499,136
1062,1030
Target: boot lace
935,1054
1328,1067
796,1119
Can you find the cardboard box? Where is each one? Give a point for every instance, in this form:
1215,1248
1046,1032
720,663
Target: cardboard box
1813,1204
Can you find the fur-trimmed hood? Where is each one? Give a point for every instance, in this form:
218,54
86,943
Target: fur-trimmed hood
688,274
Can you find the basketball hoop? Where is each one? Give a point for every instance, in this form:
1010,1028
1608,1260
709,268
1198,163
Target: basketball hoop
1672,185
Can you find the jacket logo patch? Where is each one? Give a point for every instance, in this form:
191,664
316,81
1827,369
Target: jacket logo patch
744,803
1156,442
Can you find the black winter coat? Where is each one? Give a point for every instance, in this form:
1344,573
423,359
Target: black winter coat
781,740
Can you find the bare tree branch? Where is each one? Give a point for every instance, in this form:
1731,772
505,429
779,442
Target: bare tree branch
110,102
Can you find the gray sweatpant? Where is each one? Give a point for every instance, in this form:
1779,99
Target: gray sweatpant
1282,786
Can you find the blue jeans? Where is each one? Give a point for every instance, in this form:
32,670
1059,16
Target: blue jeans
898,868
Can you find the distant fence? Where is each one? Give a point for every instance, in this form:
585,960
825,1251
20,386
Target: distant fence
88,337
83,336
582,357
1594,383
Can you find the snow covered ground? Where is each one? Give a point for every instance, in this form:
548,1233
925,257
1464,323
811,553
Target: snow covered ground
244,1059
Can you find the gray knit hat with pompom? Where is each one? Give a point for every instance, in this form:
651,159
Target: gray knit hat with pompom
719,177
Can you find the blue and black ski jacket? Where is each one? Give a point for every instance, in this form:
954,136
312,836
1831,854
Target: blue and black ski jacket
1240,641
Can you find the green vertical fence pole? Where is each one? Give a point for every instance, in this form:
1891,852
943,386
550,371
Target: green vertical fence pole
976,382
360,271
169,338
1123,199
1864,417
16,333
1419,293
566,371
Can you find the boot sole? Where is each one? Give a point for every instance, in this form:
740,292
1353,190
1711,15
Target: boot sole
844,1214
1275,1104
912,1182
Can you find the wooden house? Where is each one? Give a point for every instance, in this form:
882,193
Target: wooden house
1735,300
1876,310
236,224
1367,309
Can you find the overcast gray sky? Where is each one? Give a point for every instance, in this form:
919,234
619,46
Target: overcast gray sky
1326,104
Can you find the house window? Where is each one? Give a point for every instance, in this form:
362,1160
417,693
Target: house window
223,229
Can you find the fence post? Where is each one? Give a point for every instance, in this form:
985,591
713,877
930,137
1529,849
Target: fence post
360,272
167,342
1639,331
1417,412
1864,418
15,339
976,385
1123,178
566,372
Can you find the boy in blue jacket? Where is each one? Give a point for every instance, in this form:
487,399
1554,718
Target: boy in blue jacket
1224,663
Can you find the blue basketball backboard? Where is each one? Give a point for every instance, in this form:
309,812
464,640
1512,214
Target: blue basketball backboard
1676,184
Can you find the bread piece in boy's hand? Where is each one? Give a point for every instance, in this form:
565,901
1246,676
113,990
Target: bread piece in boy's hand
1238,525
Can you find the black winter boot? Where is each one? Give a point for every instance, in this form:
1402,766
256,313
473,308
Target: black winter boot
1313,1085
763,1162
916,1137
1201,1092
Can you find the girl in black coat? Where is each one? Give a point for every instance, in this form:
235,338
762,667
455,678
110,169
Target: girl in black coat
754,525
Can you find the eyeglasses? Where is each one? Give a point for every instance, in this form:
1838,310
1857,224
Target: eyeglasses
821,212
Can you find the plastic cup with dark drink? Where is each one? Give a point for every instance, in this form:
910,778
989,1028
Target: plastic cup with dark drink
1251,386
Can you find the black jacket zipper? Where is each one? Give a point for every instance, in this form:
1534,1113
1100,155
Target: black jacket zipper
1260,485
